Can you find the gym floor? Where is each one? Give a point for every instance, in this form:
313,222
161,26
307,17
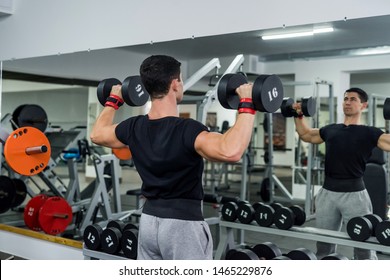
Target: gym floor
130,181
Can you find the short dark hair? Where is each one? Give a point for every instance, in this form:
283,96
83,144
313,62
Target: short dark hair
362,94
157,73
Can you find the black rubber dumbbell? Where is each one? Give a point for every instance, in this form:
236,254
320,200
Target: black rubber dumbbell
266,251
246,211
264,214
286,217
308,107
362,228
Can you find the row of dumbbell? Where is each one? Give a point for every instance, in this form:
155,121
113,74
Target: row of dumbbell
362,228
269,251
117,238
265,215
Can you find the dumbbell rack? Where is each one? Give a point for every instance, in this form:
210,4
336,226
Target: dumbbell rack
226,241
99,255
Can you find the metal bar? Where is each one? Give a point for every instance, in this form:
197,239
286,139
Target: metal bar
214,63
311,233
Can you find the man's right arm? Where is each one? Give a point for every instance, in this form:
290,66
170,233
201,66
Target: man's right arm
306,133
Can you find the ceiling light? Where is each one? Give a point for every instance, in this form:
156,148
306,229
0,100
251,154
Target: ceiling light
298,34
372,51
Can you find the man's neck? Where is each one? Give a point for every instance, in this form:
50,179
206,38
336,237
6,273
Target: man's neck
348,120
165,107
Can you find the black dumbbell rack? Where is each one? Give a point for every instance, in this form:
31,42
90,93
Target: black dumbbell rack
227,242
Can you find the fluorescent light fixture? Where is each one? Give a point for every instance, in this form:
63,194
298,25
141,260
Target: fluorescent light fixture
372,51
298,34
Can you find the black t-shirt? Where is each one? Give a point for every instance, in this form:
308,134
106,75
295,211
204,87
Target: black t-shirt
348,148
164,154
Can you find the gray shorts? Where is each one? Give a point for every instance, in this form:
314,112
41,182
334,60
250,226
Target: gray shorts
173,239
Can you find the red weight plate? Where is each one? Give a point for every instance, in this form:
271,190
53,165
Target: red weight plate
15,148
31,211
55,215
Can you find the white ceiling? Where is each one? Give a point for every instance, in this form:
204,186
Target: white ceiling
349,35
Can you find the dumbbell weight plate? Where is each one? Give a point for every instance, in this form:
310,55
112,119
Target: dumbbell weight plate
267,93
245,213
382,232
266,251
264,215
229,211
116,224
230,253
335,256
301,254
130,226
243,254
104,89
227,90
129,243
284,218
359,228
300,215
111,240
375,220
286,107
386,109
91,236
134,92
308,106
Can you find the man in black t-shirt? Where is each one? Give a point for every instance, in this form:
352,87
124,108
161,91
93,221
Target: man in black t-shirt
168,153
348,147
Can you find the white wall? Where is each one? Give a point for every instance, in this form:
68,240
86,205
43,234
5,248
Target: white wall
46,27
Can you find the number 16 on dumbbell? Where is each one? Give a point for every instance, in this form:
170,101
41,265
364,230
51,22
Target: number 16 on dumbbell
133,91
267,92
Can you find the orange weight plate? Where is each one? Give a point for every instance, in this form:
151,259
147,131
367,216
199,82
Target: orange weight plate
122,153
24,139
31,211
55,215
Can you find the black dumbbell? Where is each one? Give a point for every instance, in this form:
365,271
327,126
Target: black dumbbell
133,91
241,254
264,213
362,228
92,236
335,256
229,210
112,238
129,242
308,107
382,232
301,254
266,251
286,217
246,211
267,92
